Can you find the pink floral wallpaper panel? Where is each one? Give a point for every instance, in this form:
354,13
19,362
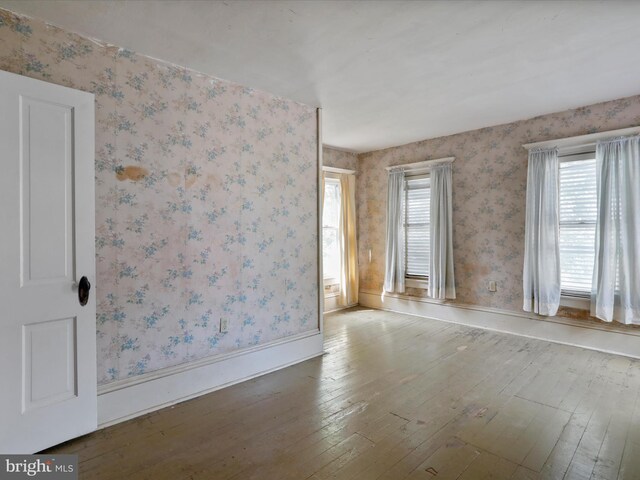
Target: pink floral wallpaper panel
202,204
489,185
332,157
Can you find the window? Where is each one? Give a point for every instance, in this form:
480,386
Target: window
416,226
408,249
584,205
578,210
331,231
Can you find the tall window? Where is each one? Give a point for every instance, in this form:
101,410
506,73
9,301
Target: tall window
578,210
416,226
331,231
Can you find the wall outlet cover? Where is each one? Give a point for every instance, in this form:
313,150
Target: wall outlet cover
224,325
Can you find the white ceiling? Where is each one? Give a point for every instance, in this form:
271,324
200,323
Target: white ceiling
385,72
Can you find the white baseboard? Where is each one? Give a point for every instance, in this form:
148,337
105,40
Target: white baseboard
331,303
617,342
125,399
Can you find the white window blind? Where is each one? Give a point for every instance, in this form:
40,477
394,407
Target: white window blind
416,224
331,230
578,210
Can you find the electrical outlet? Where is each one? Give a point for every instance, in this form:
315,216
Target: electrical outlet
224,325
493,287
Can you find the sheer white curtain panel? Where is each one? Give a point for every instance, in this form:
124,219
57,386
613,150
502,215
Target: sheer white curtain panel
615,291
541,272
394,253
441,278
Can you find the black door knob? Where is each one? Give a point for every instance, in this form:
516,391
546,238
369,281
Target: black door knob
83,291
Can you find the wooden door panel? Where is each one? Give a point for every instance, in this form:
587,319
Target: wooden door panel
47,191
47,242
50,358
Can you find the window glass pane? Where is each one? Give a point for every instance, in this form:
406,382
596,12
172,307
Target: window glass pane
418,250
331,230
331,210
576,257
416,221
578,191
578,209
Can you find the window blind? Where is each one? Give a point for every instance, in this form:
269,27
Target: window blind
578,210
416,222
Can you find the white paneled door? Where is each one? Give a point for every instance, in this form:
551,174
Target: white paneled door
47,338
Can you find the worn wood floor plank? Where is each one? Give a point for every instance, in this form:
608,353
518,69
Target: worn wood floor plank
396,397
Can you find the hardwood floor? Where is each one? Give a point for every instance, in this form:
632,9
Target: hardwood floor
396,397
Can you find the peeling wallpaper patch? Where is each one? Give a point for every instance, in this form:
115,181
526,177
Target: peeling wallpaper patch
489,186
202,204
132,173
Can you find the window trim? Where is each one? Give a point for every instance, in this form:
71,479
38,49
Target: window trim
331,281
417,282
582,302
575,144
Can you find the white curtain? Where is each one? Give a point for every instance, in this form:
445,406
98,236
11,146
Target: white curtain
441,279
616,275
541,273
394,254
348,242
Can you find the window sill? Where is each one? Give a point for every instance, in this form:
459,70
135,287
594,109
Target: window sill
574,301
416,283
331,281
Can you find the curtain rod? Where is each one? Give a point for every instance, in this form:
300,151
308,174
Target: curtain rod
424,164
583,140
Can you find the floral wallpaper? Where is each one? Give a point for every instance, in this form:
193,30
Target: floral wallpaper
489,185
339,158
202,203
